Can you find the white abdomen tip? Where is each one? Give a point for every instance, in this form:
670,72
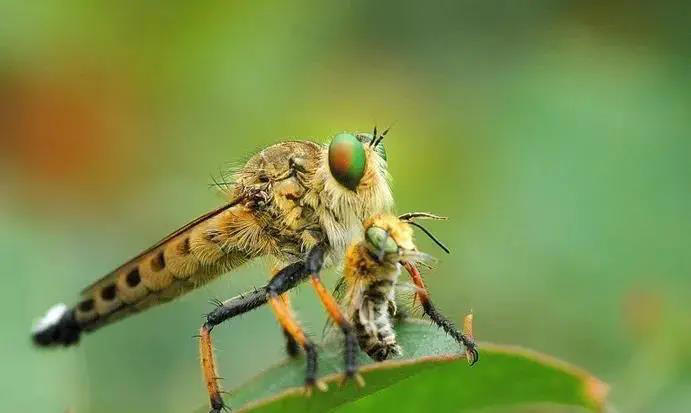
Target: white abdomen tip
50,319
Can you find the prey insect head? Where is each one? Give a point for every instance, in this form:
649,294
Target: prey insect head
389,239
380,242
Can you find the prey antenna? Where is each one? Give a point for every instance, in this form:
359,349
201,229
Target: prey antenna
424,215
411,216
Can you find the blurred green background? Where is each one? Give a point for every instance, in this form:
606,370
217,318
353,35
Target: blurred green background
556,135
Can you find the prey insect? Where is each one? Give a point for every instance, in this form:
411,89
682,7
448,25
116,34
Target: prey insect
299,204
371,273
372,267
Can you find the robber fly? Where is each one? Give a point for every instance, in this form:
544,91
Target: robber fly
367,290
297,203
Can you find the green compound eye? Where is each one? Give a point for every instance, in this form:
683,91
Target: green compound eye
347,160
381,241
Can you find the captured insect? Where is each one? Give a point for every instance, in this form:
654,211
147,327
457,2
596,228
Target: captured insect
367,290
297,203
372,267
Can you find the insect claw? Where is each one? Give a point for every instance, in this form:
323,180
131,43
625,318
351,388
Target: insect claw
472,355
359,380
307,391
357,377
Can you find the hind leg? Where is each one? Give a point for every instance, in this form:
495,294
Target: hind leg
292,347
285,317
289,277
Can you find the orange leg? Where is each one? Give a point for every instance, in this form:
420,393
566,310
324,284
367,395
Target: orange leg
466,341
209,369
284,280
334,311
292,347
224,311
290,326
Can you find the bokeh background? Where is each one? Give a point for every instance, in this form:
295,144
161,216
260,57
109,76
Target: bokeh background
556,135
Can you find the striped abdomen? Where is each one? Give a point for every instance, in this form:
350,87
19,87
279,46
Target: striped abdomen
373,320
186,259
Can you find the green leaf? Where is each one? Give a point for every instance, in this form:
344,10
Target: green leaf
432,374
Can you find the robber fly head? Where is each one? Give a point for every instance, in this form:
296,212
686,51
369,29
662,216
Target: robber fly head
354,158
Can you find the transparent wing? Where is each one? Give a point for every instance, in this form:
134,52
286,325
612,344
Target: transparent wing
108,277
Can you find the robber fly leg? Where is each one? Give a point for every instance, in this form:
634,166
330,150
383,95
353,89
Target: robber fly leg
292,346
285,317
438,318
226,310
334,311
291,276
289,324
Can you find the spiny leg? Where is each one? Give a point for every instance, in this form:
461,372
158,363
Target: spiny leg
286,279
313,263
292,347
226,310
206,354
290,325
334,311
438,318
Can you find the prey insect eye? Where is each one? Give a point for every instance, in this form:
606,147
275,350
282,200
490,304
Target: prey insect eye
380,240
347,160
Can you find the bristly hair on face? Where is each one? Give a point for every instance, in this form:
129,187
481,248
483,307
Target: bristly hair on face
224,183
376,139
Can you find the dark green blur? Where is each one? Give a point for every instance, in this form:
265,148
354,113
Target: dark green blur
555,135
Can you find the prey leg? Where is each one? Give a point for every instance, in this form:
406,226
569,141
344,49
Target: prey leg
438,318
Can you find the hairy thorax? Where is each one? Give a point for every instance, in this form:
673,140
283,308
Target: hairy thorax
296,204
